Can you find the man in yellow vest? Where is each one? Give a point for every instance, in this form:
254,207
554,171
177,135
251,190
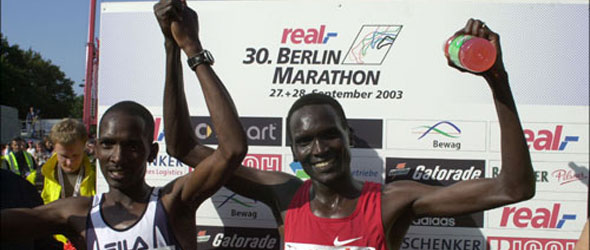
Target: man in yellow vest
19,161
68,172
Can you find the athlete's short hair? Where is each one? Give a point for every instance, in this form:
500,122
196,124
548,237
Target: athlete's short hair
316,99
132,108
68,131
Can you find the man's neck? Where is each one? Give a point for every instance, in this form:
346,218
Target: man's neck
348,188
129,195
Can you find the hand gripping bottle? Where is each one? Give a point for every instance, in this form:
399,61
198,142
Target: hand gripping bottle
471,53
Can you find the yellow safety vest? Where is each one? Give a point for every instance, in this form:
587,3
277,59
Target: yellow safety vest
52,189
13,163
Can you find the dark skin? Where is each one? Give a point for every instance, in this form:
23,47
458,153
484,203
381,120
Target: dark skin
322,146
125,146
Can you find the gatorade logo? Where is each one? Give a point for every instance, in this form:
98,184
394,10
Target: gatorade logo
525,217
240,238
307,36
438,172
549,139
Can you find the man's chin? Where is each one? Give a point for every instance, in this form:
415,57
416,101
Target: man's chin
70,170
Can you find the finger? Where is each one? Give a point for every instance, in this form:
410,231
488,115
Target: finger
468,25
164,12
484,31
475,26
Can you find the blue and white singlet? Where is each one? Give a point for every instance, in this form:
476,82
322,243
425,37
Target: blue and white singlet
151,231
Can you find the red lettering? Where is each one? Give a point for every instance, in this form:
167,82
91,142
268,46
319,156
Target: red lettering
309,36
509,243
554,215
543,141
285,35
297,35
505,214
529,135
522,217
542,218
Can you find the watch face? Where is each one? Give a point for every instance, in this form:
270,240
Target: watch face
202,57
208,57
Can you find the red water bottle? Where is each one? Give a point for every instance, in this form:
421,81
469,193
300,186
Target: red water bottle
470,52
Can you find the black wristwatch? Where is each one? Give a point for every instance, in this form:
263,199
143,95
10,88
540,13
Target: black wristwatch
202,57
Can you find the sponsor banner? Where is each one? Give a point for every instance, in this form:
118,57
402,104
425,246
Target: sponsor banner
230,209
166,167
366,133
443,242
438,172
266,162
560,216
446,135
260,131
549,137
235,238
511,243
563,177
470,220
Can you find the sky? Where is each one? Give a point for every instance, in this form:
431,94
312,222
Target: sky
58,30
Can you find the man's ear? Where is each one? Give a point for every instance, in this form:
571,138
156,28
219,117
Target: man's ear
154,148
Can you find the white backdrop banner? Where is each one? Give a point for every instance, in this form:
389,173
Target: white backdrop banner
411,113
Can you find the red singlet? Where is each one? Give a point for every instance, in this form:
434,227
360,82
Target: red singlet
362,230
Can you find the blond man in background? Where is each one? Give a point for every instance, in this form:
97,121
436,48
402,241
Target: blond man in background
68,172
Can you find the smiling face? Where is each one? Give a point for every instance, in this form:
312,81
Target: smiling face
123,149
320,142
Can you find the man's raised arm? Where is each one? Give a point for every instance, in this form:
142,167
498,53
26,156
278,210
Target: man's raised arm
516,181
182,143
180,23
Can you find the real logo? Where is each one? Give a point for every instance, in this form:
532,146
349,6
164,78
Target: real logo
307,36
548,140
540,218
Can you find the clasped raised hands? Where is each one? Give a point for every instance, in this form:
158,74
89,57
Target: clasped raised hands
179,24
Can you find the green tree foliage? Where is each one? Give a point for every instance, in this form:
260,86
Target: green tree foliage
29,80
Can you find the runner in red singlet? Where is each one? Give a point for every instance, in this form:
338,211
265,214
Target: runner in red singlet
334,210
